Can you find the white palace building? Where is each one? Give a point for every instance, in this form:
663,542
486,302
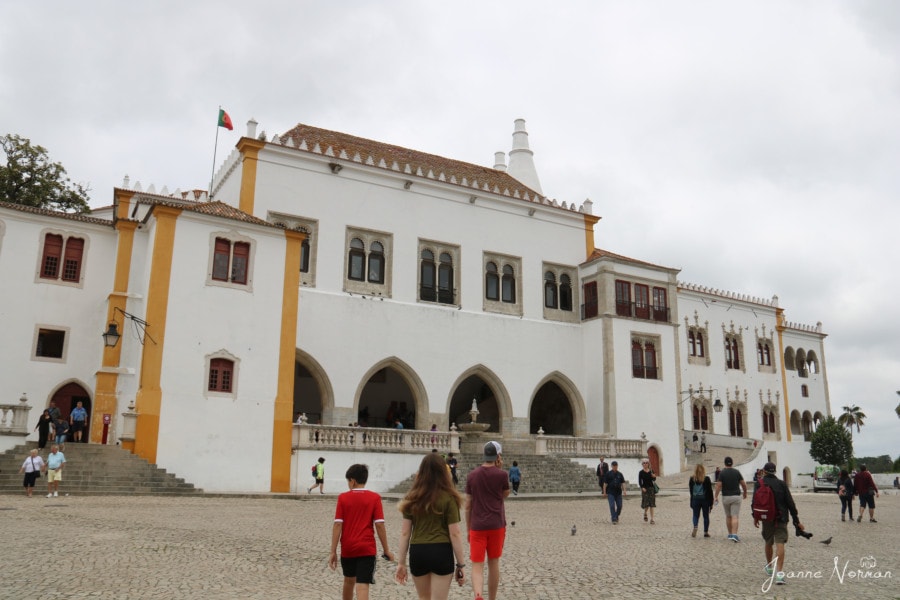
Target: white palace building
353,283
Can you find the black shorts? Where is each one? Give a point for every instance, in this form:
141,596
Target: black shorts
30,478
77,426
362,568
867,500
431,558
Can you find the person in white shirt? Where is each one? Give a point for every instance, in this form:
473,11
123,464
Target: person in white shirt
32,468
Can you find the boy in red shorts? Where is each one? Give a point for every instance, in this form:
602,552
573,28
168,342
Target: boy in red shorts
358,516
486,489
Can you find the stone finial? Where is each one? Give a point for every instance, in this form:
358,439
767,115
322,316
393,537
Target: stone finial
251,128
126,182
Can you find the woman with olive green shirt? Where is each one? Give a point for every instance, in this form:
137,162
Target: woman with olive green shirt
431,532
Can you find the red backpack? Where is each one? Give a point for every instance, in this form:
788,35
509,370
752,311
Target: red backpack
763,504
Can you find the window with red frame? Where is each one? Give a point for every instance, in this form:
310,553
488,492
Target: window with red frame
641,301
590,300
660,305
231,261
623,298
221,373
62,258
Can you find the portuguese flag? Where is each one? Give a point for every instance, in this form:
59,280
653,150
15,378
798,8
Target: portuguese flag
225,120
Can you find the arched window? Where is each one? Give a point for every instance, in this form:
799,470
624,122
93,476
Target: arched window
565,293
62,258
304,256
695,413
356,267
732,354
445,279
704,419
428,277
637,359
765,420
772,422
376,263
509,284
551,299
491,282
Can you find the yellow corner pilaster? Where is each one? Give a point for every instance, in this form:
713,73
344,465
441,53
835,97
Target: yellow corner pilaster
589,222
105,400
149,397
250,150
779,326
282,427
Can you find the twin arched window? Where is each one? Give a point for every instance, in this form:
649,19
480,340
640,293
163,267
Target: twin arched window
500,287
366,267
557,295
436,279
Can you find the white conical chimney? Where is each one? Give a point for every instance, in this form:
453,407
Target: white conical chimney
500,161
521,159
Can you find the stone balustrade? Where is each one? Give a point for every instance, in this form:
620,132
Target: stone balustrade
584,446
14,418
373,439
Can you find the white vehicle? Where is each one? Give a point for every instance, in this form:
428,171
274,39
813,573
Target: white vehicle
825,477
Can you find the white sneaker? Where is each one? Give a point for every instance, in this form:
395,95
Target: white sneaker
55,494
779,578
50,495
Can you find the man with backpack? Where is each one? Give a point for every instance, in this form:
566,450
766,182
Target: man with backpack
318,472
772,504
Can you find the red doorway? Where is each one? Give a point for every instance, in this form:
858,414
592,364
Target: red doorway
653,455
67,397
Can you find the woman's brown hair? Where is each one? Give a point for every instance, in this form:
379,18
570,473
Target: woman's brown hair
432,481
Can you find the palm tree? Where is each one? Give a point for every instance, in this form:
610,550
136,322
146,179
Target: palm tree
852,416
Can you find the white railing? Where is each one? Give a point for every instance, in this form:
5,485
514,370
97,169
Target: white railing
574,446
14,418
373,439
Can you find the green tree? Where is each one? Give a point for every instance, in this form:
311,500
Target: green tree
30,178
876,464
852,416
831,443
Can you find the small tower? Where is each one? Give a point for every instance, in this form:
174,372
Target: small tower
521,159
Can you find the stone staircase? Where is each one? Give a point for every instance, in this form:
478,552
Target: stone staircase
712,458
540,474
95,470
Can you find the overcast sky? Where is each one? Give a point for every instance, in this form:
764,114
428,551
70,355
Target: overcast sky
754,145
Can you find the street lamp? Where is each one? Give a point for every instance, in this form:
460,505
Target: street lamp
690,392
111,335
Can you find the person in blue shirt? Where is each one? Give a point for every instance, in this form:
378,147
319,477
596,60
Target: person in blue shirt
515,477
78,421
54,467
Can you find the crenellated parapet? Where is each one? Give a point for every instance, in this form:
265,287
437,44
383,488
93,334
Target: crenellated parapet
692,287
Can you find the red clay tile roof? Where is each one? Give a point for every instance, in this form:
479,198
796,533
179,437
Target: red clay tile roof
215,208
361,149
83,217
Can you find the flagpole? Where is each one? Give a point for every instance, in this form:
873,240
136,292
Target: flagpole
215,149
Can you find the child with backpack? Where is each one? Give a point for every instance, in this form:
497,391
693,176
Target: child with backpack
701,491
318,473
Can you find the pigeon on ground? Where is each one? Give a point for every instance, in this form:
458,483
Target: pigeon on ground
573,530
826,542
512,523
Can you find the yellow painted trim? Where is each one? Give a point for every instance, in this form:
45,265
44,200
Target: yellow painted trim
589,222
105,401
250,150
282,427
149,396
123,203
779,326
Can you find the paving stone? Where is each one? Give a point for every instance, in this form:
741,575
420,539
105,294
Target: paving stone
144,547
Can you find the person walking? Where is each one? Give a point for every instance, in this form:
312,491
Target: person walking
453,463
61,430
733,488
32,468
43,428
320,477
78,421
614,489
602,470
703,441
515,477
55,462
359,515
867,491
700,489
774,532
431,533
647,482
487,487
846,491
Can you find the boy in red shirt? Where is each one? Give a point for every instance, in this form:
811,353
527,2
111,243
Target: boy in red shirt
359,512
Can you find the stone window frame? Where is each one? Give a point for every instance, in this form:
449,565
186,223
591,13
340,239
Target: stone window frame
499,306
232,236
702,330
643,339
311,228
558,314
368,237
437,248
235,372
66,332
66,236
763,341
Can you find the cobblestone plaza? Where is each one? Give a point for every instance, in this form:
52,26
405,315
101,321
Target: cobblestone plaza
273,548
